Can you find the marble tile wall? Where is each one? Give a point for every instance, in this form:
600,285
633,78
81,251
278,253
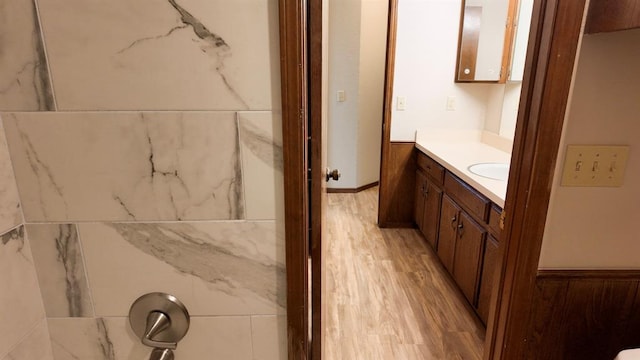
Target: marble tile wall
20,300
146,143
23,328
24,75
10,212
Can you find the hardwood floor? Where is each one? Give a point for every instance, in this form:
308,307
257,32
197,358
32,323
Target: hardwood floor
386,295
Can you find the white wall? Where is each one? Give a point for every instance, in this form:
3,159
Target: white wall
510,106
356,65
495,101
344,60
373,49
426,51
590,228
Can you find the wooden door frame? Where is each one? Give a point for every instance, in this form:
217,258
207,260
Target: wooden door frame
294,75
316,166
550,61
551,55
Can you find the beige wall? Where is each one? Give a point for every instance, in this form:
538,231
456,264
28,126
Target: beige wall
591,228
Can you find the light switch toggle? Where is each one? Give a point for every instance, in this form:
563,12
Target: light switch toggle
605,165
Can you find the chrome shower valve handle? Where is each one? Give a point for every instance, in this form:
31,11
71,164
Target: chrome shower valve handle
161,321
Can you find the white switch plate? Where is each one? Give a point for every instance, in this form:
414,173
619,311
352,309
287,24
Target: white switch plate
595,165
451,103
401,103
340,96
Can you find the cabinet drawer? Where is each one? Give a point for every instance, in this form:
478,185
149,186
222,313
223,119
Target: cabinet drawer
431,168
475,203
494,220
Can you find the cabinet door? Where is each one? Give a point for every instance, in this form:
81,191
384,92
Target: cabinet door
421,188
468,249
488,275
431,218
447,234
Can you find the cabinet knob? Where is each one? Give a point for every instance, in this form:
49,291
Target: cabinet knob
453,221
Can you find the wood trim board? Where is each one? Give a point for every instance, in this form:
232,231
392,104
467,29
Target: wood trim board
555,30
293,68
385,194
317,181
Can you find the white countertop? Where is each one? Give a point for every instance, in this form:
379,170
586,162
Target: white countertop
457,154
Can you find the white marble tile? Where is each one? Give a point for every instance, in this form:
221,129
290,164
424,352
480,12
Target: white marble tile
20,301
215,268
163,54
217,338
24,78
95,339
269,337
112,339
262,164
10,213
36,346
60,267
126,166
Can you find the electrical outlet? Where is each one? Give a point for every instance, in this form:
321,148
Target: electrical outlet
595,165
401,103
341,96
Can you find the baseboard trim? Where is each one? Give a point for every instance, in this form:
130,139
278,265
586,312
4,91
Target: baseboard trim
352,190
605,274
398,225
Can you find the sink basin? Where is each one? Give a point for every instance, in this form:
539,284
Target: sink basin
495,171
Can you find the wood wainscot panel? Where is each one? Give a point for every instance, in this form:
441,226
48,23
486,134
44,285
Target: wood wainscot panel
397,186
584,314
612,15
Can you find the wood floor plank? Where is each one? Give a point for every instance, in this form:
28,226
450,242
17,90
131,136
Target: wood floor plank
387,296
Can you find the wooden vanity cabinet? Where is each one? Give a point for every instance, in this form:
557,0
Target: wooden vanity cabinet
431,216
489,264
468,255
462,226
460,247
448,232
428,198
418,205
